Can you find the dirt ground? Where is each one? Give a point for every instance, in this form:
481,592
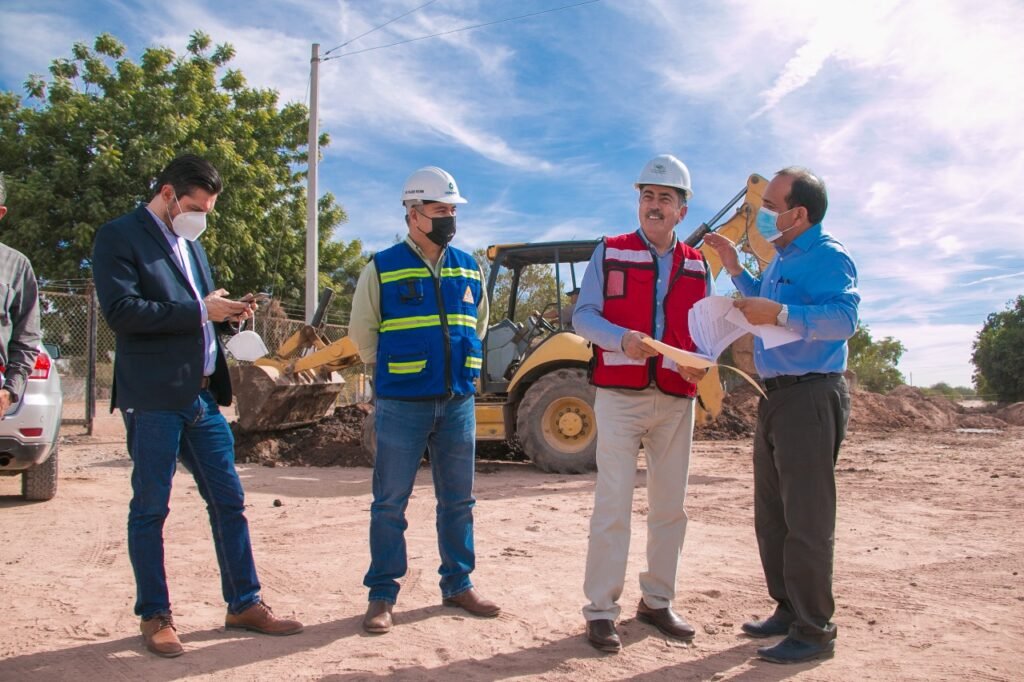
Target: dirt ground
928,573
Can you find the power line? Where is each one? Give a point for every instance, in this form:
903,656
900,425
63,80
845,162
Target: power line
464,28
377,28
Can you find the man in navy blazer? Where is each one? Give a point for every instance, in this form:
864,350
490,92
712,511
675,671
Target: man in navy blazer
155,288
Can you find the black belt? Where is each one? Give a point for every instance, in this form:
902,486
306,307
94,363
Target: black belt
775,383
204,384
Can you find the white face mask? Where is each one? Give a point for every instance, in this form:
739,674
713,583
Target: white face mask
247,346
188,224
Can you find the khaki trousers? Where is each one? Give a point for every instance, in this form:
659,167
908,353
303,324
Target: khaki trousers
663,424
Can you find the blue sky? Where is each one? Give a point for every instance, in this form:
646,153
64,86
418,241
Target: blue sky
910,110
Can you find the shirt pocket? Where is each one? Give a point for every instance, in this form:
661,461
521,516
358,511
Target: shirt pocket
619,282
410,292
407,363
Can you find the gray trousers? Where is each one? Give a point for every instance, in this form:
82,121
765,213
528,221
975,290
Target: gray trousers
796,445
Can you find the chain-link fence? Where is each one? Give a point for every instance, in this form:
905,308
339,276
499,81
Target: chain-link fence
78,335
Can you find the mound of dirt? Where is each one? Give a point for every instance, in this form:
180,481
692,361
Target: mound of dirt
335,441
1012,414
905,407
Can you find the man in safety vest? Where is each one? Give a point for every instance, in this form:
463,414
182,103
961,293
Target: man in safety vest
641,284
419,314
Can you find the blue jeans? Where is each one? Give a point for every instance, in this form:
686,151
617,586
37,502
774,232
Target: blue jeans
202,439
446,427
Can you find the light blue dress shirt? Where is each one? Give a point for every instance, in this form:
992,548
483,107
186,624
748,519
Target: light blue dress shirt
588,318
816,277
179,247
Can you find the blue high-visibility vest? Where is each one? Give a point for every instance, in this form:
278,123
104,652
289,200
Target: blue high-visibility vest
427,345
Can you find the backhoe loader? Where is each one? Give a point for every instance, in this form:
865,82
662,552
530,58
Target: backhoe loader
533,387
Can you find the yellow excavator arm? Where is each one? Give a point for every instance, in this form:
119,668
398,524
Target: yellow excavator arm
740,230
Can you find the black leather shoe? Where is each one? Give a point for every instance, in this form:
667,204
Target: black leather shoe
769,627
666,620
792,650
377,620
602,635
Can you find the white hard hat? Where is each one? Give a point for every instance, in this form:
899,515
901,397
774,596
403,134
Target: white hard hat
668,171
431,184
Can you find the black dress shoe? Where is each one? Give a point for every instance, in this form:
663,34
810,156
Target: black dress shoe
769,627
602,635
666,620
791,650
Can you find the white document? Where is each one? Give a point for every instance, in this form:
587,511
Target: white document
698,360
772,335
710,326
714,324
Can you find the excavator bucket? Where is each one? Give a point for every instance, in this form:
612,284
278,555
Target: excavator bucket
268,400
296,385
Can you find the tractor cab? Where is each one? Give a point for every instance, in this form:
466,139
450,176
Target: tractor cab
529,287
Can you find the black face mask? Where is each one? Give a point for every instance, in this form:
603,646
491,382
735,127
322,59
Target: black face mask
442,230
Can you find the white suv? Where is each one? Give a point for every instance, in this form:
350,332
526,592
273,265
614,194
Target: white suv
30,429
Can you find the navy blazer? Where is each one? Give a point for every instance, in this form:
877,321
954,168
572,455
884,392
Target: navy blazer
148,302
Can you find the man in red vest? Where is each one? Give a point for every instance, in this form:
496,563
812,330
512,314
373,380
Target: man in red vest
641,284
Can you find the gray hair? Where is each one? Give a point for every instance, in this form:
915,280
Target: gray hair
3,190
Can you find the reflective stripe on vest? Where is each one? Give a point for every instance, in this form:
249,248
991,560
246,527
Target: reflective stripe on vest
397,323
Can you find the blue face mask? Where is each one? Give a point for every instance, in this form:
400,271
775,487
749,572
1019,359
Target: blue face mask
767,221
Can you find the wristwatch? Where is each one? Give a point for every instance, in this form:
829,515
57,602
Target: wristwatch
783,317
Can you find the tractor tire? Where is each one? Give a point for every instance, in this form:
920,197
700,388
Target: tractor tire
556,425
39,483
368,439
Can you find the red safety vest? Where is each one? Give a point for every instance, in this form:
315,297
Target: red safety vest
630,288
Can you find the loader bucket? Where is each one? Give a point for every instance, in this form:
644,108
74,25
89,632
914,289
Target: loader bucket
270,401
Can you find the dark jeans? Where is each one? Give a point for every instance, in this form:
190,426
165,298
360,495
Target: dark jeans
405,429
201,438
796,445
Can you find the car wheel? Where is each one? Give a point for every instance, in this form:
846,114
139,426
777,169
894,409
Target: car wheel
39,483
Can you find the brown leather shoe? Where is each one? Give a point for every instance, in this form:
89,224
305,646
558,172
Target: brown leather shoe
602,635
378,620
471,601
259,618
666,620
160,636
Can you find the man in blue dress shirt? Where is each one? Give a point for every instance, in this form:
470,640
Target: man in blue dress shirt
809,287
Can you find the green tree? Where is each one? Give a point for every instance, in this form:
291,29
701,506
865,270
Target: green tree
951,392
86,145
999,354
875,362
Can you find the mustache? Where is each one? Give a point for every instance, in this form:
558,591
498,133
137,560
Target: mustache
655,214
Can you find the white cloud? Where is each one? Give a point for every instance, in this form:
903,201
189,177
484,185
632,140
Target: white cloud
29,42
935,352
994,278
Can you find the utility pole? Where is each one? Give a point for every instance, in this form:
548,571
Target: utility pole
312,218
